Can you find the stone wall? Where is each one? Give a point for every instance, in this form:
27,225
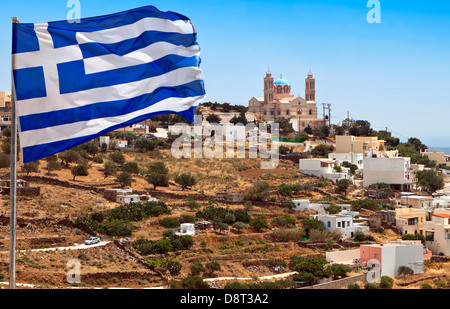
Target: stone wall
339,284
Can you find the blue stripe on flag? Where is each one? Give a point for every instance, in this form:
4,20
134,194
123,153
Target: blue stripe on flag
145,39
25,38
63,33
110,109
41,151
30,83
73,78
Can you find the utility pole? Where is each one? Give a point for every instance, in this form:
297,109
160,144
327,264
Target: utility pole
329,115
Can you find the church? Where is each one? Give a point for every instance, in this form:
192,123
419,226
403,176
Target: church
279,102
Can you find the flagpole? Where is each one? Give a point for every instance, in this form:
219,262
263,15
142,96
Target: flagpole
13,184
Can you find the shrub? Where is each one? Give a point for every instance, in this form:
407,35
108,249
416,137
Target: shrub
117,157
5,160
212,266
258,192
353,286
116,228
79,170
426,286
53,166
30,167
405,270
386,282
258,223
193,282
370,286
97,159
314,266
286,235
197,268
169,222
131,167
185,180
173,267
305,278
98,216
125,179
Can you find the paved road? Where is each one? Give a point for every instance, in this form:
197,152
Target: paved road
75,247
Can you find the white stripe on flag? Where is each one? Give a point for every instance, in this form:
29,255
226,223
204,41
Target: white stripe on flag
118,34
141,56
86,128
111,93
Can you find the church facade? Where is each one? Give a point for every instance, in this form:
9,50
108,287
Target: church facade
279,102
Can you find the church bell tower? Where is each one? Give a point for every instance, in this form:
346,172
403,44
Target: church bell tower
268,88
310,90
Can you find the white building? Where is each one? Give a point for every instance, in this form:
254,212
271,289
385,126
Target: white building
351,157
393,254
122,143
395,172
437,232
186,229
323,168
134,198
343,223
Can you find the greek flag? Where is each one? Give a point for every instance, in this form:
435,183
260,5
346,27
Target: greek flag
76,81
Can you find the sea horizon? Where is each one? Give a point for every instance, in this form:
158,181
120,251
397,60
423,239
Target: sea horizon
445,150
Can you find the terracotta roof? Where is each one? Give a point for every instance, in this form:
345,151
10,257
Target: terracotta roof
442,215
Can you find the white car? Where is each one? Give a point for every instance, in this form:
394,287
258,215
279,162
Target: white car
92,240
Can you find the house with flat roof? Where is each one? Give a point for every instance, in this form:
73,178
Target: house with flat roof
343,223
395,172
437,232
324,168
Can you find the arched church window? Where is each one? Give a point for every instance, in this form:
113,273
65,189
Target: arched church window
288,112
299,112
310,112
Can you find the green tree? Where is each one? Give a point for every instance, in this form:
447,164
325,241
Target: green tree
285,190
311,224
305,277
213,118
322,150
343,185
30,167
239,226
338,270
110,168
69,156
130,167
53,166
158,180
118,158
315,266
212,267
386,282
80,170
260,191
125,179
185,180
197,268
259,223
430,180
333,209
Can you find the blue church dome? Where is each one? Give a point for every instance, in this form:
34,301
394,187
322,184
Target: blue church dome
281,81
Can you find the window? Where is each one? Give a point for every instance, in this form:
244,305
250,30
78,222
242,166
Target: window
329,224
375,255
339,224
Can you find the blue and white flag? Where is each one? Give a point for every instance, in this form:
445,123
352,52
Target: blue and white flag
77,81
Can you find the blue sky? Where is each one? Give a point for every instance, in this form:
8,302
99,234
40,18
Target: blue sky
393,74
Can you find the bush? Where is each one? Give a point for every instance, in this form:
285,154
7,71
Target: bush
125,179
131,167
314,266
286,235
79,170
386,282
173,267
5,160
169,222
53,166
258,192
370,286
116,228
197,268
405,270
285,221
426,286
193,282
258,223
353,286
185,180
305,278
117,157
97,159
